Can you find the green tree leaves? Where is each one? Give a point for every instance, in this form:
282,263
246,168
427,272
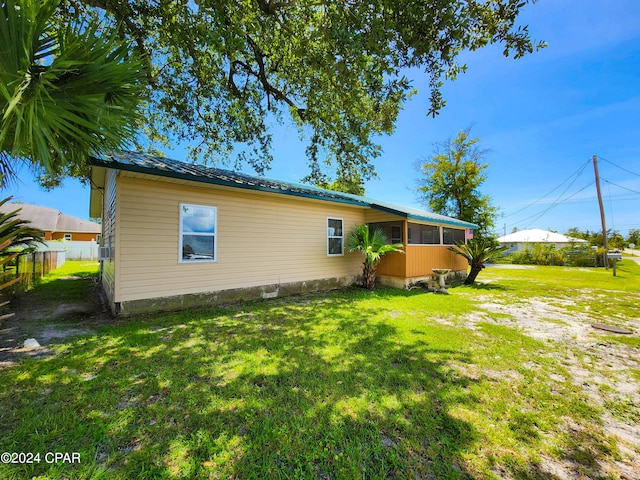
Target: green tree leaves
224,72
451,179
478,252
67,90
373,244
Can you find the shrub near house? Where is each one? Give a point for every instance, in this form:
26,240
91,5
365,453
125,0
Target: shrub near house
574,256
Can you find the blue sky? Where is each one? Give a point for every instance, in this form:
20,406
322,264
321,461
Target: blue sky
542,117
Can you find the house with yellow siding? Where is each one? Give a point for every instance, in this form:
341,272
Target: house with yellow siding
178,235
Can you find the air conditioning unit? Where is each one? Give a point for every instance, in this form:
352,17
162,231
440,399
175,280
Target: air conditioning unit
104,253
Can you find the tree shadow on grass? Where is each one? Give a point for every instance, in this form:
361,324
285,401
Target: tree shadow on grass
271,393
320,390
51,312
488,286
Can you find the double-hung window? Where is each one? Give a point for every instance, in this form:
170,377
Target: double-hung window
335,237
197,233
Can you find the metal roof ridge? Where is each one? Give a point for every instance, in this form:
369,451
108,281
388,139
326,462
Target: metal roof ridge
239,179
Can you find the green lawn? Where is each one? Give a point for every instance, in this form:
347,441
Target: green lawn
351,384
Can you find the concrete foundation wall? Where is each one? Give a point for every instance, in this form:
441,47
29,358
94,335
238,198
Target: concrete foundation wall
430,281
199,300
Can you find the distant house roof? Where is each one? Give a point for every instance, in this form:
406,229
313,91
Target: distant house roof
165,167
537,235
50,219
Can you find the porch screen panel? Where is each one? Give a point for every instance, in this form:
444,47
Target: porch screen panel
452,236
423,234
393,230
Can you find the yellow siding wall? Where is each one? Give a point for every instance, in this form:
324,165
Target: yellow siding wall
393,264
109,234
421,259
375,216
262,239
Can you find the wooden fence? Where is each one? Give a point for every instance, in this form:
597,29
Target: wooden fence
28,268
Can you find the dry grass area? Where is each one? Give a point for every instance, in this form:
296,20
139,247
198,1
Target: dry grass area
604,365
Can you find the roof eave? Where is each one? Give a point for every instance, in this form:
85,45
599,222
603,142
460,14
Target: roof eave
453,222
409,216
214,181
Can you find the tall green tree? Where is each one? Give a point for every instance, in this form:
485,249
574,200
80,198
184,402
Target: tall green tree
451,179
68,89
615,238
634,237
224,72
345,183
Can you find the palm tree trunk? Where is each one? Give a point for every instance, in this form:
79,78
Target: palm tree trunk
369,276
471,278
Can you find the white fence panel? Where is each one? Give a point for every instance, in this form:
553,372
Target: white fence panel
62,257
73,249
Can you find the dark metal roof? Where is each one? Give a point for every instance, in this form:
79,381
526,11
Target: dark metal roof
165,167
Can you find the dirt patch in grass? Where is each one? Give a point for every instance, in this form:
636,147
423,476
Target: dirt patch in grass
593,360
50,318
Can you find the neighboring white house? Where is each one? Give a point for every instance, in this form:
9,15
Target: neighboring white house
524,239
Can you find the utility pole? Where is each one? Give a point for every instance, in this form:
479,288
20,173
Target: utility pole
605,240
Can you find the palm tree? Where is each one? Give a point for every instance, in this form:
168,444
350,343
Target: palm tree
373,243
15,236
66,90
478,252
16,233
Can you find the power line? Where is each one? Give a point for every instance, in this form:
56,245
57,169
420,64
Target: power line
620,186
575,174
531,219
541,214
554,204
615,198
618,166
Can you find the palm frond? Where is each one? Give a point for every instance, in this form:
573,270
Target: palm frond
372,242
479,251
66,92
16,233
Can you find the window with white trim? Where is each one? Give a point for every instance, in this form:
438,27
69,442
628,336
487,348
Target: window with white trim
335,237
197,233
67,237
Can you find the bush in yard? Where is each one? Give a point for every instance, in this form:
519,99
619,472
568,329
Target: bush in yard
15,236
373,243
478,252
573,255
